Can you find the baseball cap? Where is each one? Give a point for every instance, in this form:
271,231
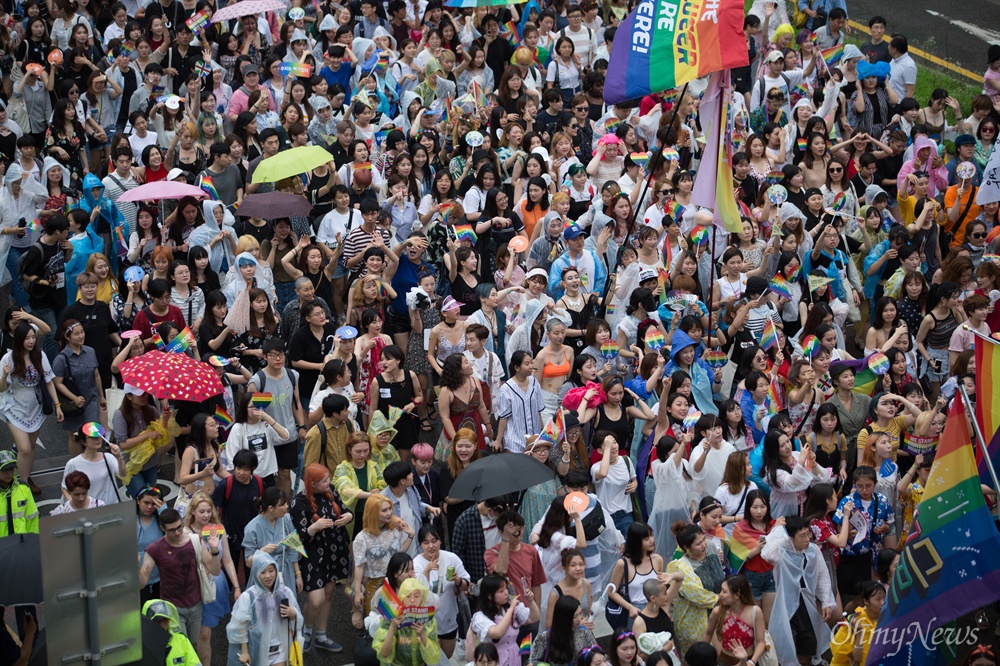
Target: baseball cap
131,389
175,173
250,69
965,140
7,459
647,274
572,231
774,56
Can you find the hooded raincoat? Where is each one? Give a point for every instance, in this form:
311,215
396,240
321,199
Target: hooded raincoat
220,254
180,652
702,375
12,208
85,243
257,622
408,645
110,225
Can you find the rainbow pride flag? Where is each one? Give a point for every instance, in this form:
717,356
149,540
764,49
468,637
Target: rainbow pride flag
478,94
780,286
223,417
524,647
988,401
197,21
769,336
946,568
466,232
510,32
157,340
206,184
662,276
383,62
670,45
740,544
774,178
446,110
261,400
801,144
553,430
832,55
389,604
611,125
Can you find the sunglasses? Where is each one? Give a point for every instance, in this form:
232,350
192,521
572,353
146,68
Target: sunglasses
988,130
666,193
837,170
979,235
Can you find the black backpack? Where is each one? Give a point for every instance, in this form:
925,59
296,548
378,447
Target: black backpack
22,263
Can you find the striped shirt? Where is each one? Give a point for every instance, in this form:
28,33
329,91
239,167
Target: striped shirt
522,411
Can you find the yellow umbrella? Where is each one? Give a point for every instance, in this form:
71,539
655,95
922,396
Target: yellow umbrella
290,163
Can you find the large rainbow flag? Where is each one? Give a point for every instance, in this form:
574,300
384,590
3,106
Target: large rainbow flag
948,566
988,402
668,44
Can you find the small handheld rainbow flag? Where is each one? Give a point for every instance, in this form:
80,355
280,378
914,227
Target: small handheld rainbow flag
206,184
769,336
780,286
302,69
445,211
295,543
524,648
223,417
180,344
802,90
740,545
197,21
774,177
389,604
662,275
554,430
34,225
801,144
446,110
383,62
157,340
478,94
794,275
466,232
515,311
261,400
832,55
510,32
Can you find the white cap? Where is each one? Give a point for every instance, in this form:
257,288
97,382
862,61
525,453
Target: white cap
133,390
537,272
175,173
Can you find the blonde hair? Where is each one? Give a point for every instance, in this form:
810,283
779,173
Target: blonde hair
196,499
446,56
373,507
357,290
454,464
92,264
558,198
868,457
247,243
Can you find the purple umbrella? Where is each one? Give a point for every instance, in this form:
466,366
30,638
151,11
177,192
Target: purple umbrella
271,205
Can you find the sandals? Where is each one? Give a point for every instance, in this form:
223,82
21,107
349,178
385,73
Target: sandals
426,425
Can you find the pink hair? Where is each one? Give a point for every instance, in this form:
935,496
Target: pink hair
422,451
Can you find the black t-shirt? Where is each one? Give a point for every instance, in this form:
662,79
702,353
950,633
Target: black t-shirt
46,261
239,510
305,347
128,89
98,325
876,52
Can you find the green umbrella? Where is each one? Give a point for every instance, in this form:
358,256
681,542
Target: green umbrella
290,163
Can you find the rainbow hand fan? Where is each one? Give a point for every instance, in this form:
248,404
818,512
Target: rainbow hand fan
642,159
93,429
261,400
670,154
878,363
716,358
810,346
611,125
654,339
609,349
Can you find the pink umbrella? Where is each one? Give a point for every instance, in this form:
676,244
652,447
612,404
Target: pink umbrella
247,8
164,189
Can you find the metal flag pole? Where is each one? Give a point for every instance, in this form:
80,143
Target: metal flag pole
971,414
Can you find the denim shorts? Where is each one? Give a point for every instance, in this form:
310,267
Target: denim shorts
760,583
341,271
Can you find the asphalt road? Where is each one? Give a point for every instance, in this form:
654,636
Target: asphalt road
959,32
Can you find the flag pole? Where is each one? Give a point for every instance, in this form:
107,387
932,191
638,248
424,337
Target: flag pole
971,415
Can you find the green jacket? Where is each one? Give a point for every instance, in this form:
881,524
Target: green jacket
17,505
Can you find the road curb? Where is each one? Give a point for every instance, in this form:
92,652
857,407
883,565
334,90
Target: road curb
940,62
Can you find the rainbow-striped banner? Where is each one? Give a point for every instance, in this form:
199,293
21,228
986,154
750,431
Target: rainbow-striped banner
988,401
197,21
182,342
669,44
741,543
944,570
302,69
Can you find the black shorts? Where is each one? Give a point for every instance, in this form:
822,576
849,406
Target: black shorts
396,322
851,571
802,631
450,636
287,455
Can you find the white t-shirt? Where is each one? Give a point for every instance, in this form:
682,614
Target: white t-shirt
102,487
551,557
259,438
611,489
447,609
334,223
733,505
568,75
759,93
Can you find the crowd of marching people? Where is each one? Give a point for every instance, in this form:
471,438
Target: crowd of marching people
489,260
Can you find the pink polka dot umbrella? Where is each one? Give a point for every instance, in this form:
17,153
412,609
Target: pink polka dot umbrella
172,376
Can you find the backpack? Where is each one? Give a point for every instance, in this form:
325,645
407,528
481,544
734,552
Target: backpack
594,523
22,263
763,93
322,439
229,490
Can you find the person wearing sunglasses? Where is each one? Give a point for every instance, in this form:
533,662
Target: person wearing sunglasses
975,241
961,208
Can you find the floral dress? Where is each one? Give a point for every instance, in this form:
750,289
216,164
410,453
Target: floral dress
416,348
375,552
20,404
328,551
54,202
368,369
72,146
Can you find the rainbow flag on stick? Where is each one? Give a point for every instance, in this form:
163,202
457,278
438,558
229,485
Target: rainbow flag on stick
524,648
740,544
295,543
157,340
553,430
945,569
389,603
988,402
780,286
769,336
223,417
832,55
713,185
466,232
478,94
510,32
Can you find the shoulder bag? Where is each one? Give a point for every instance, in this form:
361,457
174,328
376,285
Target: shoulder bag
206,581
615,614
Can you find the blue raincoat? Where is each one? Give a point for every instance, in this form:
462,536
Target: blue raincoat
110,224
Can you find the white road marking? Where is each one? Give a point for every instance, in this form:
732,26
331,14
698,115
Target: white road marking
988,36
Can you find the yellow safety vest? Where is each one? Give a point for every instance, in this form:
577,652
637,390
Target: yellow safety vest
19,501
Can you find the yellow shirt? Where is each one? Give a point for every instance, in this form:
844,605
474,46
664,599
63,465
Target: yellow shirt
846,638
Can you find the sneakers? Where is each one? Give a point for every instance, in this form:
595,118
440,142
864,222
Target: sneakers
324,643
307,642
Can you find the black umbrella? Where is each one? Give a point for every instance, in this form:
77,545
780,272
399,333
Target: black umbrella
499,474
271,205
20,570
